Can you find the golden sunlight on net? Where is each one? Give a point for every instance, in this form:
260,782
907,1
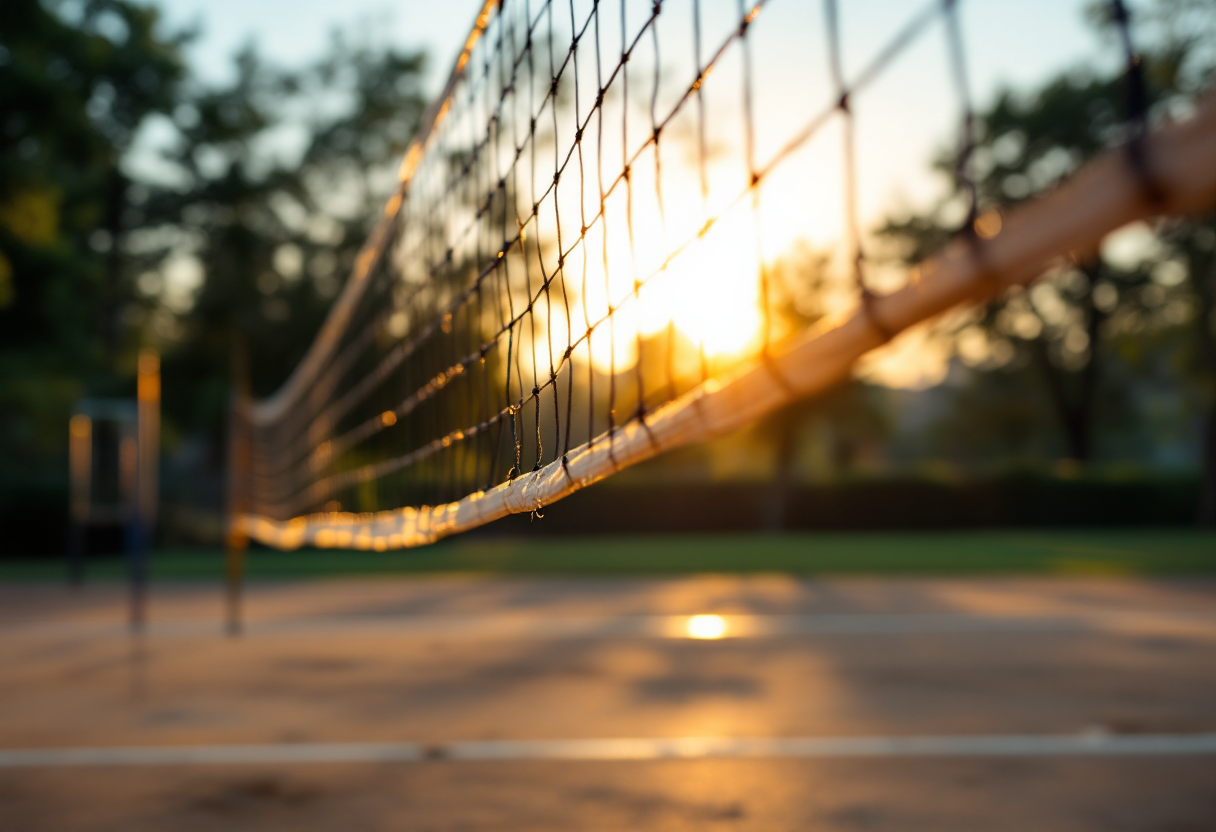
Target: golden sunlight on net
637,286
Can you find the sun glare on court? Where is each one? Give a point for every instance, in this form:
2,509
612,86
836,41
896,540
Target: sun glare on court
706,626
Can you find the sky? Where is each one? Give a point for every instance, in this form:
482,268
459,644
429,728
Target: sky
1045,32
903,119
293,31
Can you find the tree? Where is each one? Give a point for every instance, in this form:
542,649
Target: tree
845,419
1186,30
76,84
271,233
1028,143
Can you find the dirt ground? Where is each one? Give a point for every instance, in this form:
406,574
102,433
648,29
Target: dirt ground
449,659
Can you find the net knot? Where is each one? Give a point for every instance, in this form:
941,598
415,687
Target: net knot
578,135
658,7
557,175
879,326
535,390
657,130
553,88
845,102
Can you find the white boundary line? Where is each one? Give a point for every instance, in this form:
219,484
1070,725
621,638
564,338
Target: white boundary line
1033,745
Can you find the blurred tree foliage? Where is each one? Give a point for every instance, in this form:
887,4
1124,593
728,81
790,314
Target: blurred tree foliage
840,428
77,80
1059,336
276,180
142,206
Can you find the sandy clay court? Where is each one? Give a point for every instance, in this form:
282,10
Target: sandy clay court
470,703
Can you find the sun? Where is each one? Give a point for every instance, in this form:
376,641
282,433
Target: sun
627,286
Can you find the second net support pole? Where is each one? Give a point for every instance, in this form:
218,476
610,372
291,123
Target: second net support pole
234,573
236,541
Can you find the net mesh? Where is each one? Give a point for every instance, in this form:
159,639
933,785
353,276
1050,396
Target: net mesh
584,238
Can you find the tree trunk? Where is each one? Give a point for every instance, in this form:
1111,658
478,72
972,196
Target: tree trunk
785,429
116,201
1206,516
1205,290
1069,416
1076,414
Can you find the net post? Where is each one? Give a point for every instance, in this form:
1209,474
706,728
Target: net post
137,575
236,540
80,463
143,500
75,554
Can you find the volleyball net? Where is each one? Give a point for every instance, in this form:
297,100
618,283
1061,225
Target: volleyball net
587,260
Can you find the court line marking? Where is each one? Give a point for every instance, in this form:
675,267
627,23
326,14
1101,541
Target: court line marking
498,627
1093,744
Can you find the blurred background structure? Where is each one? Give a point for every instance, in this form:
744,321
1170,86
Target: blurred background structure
211,214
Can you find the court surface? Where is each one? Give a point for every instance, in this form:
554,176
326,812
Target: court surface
474,703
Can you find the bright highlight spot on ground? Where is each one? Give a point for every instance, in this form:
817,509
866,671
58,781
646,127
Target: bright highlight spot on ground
706,626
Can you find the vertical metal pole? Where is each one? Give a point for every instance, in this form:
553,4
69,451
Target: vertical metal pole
80,472
238,488
75,553
137,573
128,467
147,465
